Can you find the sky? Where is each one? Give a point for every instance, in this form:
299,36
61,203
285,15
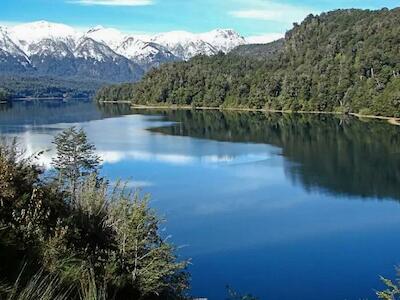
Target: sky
248,17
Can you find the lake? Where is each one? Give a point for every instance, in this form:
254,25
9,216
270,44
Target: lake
279,206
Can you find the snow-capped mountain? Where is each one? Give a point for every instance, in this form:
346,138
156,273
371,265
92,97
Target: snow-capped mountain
102,53
88,49
146,54
184,44
223,39
11,56
26,34
97,60
108,36
50,47
135,48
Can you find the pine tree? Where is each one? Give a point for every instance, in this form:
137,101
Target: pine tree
75,159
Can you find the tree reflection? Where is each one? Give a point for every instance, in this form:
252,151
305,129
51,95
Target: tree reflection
336,154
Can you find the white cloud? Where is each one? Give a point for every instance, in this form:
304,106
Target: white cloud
272,11
114,2
265,38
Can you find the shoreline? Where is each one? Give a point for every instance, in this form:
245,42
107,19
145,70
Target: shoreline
46,98
391,120
115,102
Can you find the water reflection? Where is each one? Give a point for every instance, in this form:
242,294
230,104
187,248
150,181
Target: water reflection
235,188
42,112
340,155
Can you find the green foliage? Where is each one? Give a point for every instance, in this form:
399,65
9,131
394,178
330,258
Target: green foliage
75,157
43,87
39,287
4,95
117,92
142,251
105,244
344,60
259,51
392,291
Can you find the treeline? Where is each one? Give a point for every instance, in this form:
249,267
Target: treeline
67,234
344,60
47,87
116,92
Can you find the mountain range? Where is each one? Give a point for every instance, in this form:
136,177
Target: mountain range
51,49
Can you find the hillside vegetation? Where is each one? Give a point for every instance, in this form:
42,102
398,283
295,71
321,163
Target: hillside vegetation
47,87
344,60
66,233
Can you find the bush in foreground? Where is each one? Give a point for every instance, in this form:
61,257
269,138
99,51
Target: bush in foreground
95,241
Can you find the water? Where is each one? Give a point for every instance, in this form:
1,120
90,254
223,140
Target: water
283,207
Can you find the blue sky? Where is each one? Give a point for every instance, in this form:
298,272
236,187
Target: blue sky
248,17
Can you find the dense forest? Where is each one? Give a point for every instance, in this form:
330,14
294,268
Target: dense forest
47,87
343,61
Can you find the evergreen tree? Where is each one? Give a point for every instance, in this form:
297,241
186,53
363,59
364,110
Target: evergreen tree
75,158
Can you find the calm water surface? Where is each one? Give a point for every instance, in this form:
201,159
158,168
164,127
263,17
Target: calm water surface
283,207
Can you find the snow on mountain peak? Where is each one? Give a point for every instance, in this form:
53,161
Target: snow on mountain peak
186,44
223,39
96,28
46,43
3,29
88,48
7,45
108,36
147,54
29,33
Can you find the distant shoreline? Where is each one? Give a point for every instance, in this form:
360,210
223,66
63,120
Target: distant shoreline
391,120
116,102
45,98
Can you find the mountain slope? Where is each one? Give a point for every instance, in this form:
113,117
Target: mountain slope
259,51
344,60
12,58
30,33
51,49
223,40
107,36
98,61
184,44
146,54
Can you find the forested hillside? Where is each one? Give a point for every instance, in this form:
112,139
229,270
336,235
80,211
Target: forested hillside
44,87
344,60
259,51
